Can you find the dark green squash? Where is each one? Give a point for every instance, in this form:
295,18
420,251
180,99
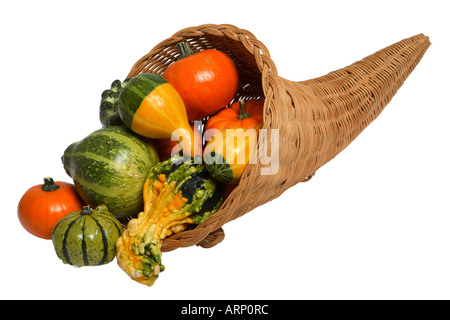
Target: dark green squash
87,237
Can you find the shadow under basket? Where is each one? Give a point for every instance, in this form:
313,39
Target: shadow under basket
316,119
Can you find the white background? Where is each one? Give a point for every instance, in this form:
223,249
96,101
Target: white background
374,223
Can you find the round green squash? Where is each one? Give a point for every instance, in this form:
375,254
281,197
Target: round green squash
109,167
87,237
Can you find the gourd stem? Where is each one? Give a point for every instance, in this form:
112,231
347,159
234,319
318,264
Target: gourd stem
185,49
49,184
243,114
86,211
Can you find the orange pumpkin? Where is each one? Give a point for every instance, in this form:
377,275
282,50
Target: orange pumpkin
42,206
207,81
240,114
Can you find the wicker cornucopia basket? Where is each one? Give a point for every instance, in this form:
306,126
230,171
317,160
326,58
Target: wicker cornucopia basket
316,119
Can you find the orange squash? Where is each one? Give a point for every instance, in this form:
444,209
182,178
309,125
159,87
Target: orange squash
207,81
240,114
42,206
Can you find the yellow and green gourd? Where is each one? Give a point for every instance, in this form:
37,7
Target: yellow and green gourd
152,108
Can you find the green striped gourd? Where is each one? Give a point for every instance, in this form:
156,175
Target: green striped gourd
87,237
109,167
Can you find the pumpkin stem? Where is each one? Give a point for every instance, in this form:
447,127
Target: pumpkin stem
185,49
49,184
86,211
243,114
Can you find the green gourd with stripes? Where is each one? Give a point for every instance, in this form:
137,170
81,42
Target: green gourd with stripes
109,167
87,237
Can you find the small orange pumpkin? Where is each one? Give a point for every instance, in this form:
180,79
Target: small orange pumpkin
42,206
240,114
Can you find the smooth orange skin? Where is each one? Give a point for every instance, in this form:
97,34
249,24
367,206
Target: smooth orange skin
38,211
207,81
228,118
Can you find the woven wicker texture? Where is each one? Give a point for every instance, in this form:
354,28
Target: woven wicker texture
316,119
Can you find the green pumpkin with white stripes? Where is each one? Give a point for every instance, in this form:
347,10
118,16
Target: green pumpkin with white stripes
109,167
87,237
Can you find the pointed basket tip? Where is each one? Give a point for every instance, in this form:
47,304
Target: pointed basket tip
337,107
422,37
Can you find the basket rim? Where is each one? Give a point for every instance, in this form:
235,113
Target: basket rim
248,39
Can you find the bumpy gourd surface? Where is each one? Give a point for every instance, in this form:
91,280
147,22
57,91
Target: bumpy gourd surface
176,195
109,112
